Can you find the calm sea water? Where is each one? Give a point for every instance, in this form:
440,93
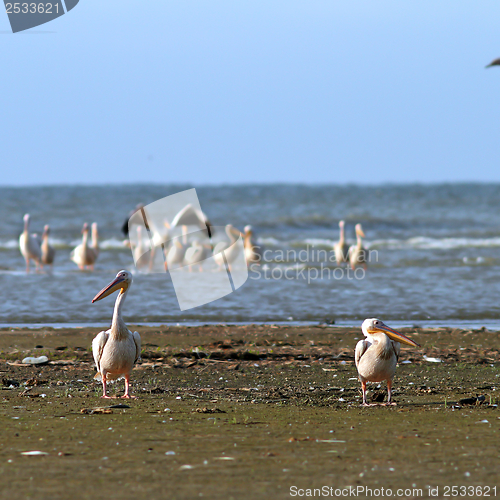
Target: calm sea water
435,254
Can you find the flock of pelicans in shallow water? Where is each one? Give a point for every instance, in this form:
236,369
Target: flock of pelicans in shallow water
178,251
116,350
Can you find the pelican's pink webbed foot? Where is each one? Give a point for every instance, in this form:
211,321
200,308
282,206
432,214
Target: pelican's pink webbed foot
127,394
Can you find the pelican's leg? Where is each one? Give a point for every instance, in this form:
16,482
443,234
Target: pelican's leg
363,388
27,266
389,394
104,394
127,394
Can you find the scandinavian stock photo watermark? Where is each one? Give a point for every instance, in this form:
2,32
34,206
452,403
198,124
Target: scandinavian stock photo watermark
25,15
173,235
360,491
309,264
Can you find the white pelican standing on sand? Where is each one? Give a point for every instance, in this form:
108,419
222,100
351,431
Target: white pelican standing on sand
377,355
341,248
83,255
48,251
117,349
357,252
29,246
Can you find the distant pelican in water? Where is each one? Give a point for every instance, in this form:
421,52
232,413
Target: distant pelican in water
141,250
177,250
30,246
252,251
116,350
180,248
358,253
95,239
48,251
191,216
124,227
196,254
341,248
377,355
82,255
229,248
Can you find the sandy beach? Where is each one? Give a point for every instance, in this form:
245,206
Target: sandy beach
245,412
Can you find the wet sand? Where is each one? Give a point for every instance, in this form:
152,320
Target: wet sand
246,412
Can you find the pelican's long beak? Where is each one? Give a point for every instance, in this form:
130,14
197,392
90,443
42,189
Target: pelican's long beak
360,232
394,335
116,284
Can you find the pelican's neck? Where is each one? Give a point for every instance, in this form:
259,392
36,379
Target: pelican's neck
359,240
26,226
85,238
342,237
95,239
247,240
118,327
383,345
230,234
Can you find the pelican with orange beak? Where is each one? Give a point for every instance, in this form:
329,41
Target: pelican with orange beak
83,255
377,355
357,252
117,349
341,248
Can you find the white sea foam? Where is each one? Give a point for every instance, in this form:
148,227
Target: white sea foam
426,243
319,242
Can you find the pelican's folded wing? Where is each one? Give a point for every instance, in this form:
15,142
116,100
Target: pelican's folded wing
361,348
97,347
397,349
137,340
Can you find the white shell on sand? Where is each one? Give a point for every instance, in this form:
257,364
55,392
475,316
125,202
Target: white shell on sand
41,360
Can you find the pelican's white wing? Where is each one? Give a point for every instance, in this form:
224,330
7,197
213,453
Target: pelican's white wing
97,347
397,349
137,340
361,348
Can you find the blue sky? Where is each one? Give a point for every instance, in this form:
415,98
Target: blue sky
211,92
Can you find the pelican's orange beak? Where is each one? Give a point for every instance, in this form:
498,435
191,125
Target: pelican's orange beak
116,284
393,335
